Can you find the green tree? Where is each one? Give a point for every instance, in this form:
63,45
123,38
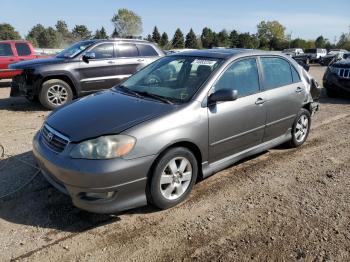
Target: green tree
191,40
101,34
8,32
246,40
47,38
156,35
320,42
223,38
149,38
115,33
127,23
344,41
270,30
164,40
233,39
81,32
207,38
178,39
65,37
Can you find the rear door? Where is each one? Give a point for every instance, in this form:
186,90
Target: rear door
100,72
23,51
285,94
148,53
128,60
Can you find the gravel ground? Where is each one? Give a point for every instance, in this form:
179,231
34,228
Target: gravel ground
282,205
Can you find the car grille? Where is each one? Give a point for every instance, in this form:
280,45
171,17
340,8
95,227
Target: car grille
53,139
344,72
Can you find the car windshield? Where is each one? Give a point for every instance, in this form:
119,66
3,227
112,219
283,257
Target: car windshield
172,79
75,49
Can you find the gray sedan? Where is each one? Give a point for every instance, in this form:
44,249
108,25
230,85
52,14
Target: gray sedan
181,118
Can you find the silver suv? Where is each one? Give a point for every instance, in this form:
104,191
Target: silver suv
183,117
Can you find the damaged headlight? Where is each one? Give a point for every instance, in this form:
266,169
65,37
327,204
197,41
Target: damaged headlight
104,147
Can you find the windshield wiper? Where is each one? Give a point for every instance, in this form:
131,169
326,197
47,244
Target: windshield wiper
129,91
158,97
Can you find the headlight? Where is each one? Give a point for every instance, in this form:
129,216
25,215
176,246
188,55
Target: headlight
334,70
104,147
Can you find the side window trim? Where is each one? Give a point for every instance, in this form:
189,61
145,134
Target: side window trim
97,59
256,57
293,67
262,70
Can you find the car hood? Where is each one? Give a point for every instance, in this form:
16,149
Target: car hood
36,62
104,113
345,63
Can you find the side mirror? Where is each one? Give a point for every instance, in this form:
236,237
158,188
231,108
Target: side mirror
87,56
222,95
305,66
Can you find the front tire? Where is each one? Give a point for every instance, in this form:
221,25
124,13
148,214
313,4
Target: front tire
55,93
173,177
300,128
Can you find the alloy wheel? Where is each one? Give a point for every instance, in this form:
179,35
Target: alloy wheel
176,178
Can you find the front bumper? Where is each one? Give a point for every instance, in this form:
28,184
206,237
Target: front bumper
332,81
99,186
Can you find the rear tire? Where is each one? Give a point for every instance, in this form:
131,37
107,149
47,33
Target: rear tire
173,177
300,128
55,93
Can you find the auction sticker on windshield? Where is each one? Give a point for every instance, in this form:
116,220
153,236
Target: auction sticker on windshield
204,62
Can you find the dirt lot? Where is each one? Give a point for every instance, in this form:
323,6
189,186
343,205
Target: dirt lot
285,205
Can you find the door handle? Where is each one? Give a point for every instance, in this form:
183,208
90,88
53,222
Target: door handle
299,90
140,60
111,62
260,101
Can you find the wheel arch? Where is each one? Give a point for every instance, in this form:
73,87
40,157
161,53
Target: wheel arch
64,78
186,144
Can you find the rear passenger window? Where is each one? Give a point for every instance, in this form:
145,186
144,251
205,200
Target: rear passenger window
241,76
276,72
5,50
22,49
103,51
127,50
295,75
146,50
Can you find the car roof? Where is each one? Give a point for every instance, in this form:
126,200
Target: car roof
221,53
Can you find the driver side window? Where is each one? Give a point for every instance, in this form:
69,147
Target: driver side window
241,76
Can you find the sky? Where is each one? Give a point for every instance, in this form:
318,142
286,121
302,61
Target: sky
305,19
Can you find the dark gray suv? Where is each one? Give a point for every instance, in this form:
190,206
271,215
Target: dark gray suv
85,67
183,117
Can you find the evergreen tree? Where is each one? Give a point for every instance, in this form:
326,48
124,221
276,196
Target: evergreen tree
115,33
164,41
178,39
223,38
191,40
207,38
156,35
233,39
149,38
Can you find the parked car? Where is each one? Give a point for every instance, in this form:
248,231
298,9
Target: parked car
150,138
336,79
314,54
334,54
85,67
293,51
12,51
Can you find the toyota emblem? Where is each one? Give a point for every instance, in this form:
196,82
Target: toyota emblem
49,136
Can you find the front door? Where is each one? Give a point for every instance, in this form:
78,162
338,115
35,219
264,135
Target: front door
100,72
237,125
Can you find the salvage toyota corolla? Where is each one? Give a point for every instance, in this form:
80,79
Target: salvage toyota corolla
183,117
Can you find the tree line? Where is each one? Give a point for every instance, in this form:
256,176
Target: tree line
270,35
